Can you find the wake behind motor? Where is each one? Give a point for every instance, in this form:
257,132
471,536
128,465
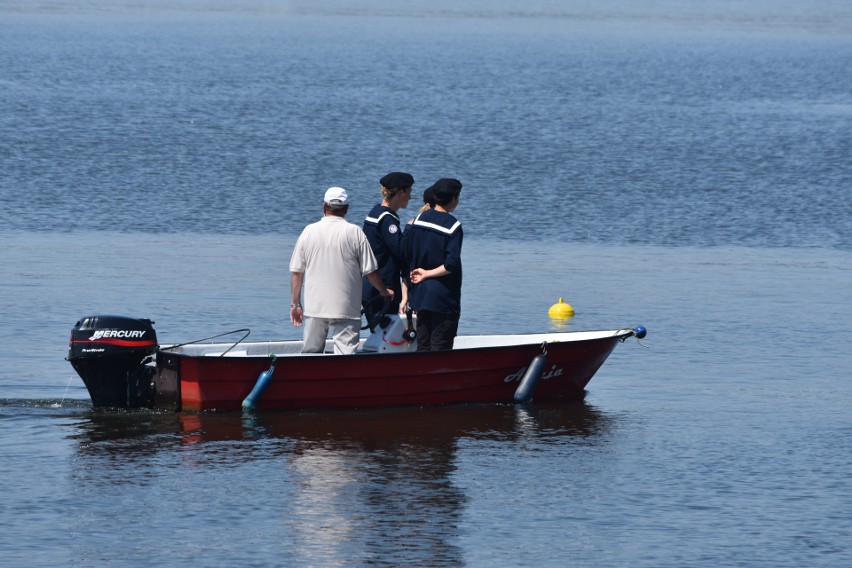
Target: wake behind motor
111,355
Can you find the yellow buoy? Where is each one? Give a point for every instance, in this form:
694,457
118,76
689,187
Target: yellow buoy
560,310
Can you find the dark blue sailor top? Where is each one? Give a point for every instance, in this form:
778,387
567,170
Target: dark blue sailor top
433,239
385,237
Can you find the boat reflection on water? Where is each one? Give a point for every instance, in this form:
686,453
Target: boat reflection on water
389,427
385,482
145,431
378,485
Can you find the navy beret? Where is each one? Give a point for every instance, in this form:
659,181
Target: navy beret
444,190
397,180
429,195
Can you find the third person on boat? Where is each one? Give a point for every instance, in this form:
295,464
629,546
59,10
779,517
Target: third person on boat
433,245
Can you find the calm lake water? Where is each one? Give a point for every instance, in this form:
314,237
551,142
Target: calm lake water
679,166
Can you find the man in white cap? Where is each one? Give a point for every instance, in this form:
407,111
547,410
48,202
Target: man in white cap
331,257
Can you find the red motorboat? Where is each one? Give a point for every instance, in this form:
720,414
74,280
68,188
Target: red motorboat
122,365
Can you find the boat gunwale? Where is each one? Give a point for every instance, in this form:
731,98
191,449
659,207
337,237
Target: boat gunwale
231,350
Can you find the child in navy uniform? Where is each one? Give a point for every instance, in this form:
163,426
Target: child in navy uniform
385,236
433,245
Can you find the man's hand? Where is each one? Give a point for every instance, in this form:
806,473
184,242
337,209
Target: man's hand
296,316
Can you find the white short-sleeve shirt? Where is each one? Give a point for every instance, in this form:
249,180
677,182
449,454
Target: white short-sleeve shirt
334,255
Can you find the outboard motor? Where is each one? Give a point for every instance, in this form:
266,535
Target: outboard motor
392,335
111,355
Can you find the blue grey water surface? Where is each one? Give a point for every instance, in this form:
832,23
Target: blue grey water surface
676,164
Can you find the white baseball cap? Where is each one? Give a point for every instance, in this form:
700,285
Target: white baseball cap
336,196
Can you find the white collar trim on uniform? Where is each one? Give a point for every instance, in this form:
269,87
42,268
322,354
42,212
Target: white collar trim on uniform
379,218
437,227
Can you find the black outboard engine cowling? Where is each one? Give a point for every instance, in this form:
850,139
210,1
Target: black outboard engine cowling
111,355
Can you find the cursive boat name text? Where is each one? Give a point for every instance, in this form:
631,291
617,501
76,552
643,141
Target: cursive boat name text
552,373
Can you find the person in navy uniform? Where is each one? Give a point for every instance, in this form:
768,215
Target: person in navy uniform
385,237
433,248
